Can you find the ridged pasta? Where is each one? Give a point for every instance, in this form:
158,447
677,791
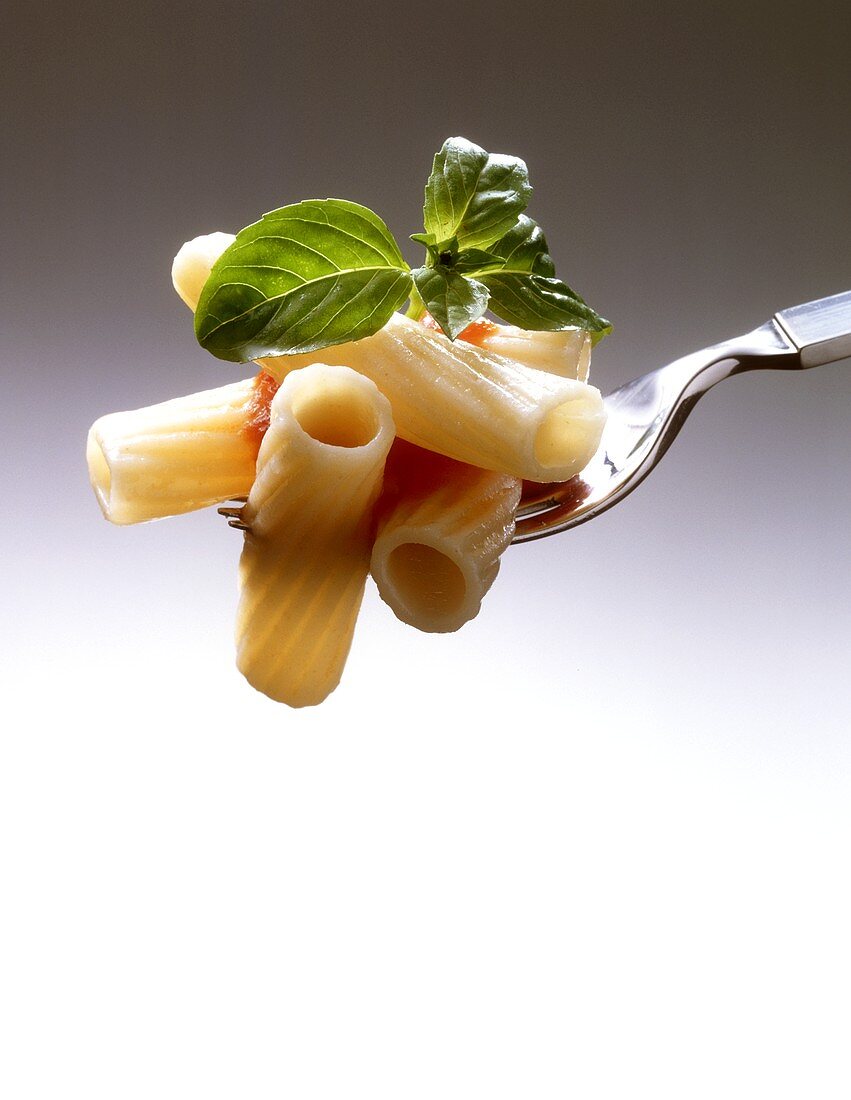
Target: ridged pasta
193,263
463,401
443,527
310,516
566,353
473,418
176,456
471,404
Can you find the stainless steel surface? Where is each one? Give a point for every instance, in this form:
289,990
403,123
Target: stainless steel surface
645,415
821,330
234,515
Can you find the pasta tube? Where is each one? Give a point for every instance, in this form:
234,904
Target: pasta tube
462,401
473,405
566,352
193,263
310,517
177,456
443,529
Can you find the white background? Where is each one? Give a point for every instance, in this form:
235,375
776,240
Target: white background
596,844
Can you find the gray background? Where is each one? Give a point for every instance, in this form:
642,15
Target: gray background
597,843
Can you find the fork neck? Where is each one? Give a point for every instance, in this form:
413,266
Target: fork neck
767,347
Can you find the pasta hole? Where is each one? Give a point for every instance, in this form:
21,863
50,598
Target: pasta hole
429,582
567,432
338,415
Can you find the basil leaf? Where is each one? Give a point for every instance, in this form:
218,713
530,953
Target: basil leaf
470,260
453,300
316,273
525,291
473,195
538,302
524,248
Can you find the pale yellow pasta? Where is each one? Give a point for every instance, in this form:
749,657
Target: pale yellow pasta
473,405
193,263
310,513
438,546
174,457
454,398
567,352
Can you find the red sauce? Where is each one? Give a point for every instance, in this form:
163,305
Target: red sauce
416,472
257,413
566,493
475,333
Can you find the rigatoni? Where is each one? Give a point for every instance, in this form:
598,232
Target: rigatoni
443,527
463,401
566,352
310,517
176,456
193,263
471,404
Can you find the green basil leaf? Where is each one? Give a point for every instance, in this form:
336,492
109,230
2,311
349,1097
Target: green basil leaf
316,273
525,291
470,260
537,302
524,248
452,300
474,195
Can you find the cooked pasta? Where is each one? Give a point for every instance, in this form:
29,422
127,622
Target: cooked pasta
310,516
466,402
177,456
566,352
443,528
403,452
193,263
473,405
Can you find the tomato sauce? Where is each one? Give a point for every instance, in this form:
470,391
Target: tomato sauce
257,417
475,333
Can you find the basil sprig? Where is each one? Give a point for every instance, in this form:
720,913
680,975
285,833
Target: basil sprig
326,271
475,227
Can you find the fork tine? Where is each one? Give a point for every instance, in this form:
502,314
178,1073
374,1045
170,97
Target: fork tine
234,515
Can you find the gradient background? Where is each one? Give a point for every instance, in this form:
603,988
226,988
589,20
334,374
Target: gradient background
597,844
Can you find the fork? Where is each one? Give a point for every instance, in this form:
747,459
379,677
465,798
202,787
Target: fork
645,415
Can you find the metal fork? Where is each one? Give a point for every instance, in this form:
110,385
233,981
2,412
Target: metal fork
645,415
234,515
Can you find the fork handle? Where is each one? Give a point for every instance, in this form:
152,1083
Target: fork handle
809,335
820,330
